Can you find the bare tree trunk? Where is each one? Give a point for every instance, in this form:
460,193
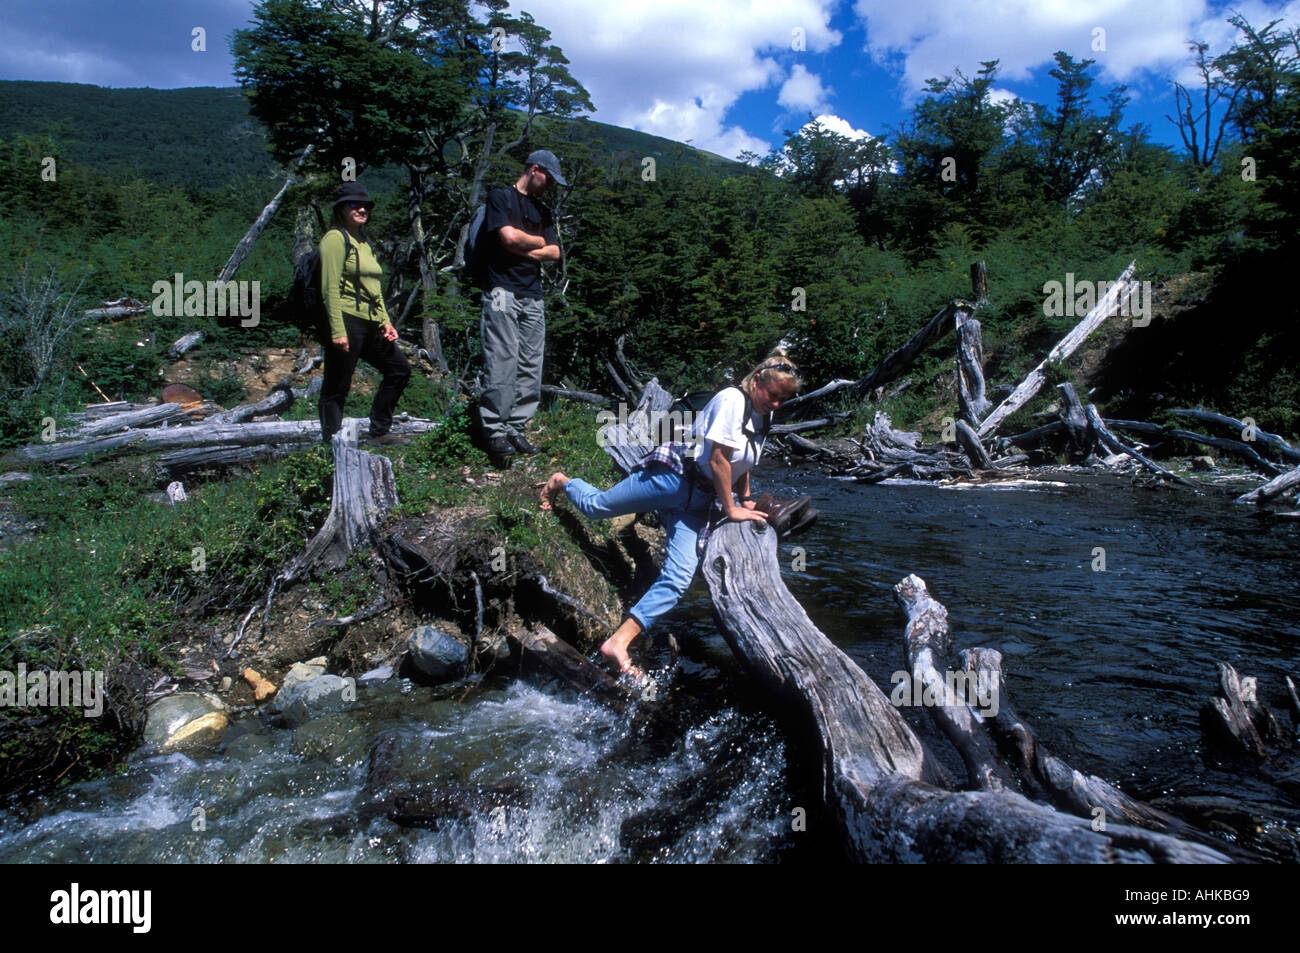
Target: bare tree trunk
259,225
1064,348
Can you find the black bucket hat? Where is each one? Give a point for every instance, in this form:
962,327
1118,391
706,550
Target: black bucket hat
353,192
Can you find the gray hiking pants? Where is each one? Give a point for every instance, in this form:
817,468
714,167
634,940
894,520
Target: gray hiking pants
513,332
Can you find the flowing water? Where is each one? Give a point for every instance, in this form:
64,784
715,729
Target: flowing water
1109,667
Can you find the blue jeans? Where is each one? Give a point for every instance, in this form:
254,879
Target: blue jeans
684,513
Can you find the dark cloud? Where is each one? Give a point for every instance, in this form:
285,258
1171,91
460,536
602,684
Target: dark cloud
133,43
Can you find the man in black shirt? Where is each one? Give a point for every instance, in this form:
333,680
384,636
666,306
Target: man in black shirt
520,235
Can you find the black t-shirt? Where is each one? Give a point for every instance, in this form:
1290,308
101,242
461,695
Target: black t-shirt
505,269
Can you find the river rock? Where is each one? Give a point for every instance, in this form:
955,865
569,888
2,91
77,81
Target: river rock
302,700
304,671
436,655
184,720
381,674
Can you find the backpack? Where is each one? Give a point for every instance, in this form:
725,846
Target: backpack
475,257
306,306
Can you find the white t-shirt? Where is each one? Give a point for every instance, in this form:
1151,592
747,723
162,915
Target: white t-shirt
721,423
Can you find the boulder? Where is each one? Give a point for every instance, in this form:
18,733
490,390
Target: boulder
302,700
184,720
436,655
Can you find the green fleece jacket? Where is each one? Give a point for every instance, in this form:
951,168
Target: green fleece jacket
339,282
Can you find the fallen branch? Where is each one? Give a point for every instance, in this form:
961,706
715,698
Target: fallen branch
1064,348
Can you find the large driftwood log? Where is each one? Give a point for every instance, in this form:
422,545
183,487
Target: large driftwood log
122,308
880,782
1234,447
894,363
956,713
1273,488
1044,775
1064,348
897,362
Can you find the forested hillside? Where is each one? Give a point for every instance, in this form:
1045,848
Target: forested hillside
842,248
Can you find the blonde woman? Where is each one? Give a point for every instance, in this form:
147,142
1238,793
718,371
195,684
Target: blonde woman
680,485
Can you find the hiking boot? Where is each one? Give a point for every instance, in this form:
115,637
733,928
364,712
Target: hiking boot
783,514
800,523
520,443
500,450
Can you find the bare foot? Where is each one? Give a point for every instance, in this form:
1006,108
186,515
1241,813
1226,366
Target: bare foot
616,652
554,487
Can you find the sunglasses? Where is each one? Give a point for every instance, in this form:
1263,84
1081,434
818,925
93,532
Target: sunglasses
358,207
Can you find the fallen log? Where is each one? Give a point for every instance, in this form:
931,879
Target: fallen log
245,244
1064,348
926,640
898,361
826,389
278,401
540,648
1043,774
181,462
804,425
146,416
1234,447
121,308
1284,449
1274,488
1114,444
881,784
296,432
894,363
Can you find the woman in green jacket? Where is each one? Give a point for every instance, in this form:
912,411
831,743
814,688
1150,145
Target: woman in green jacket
358,321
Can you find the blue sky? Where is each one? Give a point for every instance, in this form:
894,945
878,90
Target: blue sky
722,74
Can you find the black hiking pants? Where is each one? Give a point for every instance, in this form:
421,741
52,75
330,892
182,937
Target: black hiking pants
365,343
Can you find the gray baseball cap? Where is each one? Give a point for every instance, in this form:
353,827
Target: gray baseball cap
546,159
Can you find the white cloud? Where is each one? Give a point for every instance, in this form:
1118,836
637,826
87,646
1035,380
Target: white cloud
803,91
932,37
841,127
675,67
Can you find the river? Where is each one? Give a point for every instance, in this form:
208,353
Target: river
1108,665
